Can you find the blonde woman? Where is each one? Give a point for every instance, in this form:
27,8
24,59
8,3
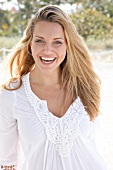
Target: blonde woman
51,102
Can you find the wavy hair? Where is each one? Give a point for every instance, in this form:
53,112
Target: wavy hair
77,70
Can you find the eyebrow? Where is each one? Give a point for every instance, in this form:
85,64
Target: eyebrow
54,38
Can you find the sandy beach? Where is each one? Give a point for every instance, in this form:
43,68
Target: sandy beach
105,71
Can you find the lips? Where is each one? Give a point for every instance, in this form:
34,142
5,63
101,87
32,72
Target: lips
47,60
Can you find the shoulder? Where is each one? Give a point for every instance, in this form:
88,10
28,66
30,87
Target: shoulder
6,104
6,94
6,98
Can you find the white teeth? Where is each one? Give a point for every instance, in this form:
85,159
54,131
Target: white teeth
47,59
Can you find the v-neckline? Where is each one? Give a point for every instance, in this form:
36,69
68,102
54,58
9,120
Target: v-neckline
44,102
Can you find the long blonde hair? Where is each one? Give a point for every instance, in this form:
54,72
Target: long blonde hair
77,70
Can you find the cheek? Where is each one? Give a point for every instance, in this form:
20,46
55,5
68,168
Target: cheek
61,51
35,49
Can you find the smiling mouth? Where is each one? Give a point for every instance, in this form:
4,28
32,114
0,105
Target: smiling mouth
47,60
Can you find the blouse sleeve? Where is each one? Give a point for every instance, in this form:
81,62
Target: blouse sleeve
92,130
8,132
98,134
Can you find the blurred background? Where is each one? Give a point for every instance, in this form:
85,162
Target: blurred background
94,22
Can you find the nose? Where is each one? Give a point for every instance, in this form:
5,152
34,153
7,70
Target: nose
47,47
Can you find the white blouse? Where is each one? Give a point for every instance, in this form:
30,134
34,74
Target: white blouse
48,142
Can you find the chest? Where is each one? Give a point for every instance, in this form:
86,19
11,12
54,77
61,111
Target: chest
36,124
56,99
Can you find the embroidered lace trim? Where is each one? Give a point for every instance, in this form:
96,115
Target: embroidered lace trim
60,131
12,167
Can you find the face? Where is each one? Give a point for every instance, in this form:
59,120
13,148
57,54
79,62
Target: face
48,46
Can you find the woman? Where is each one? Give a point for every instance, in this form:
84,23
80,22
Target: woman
51,102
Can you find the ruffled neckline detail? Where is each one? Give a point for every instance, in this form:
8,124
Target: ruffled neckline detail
33,98
61,131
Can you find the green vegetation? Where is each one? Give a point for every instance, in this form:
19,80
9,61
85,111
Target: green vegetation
9,42
100,44
93,24
14,22
94,21
103,6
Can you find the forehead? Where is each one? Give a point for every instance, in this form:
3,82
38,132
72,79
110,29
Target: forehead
48,28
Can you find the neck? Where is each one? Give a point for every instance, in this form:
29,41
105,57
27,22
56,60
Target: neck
46,79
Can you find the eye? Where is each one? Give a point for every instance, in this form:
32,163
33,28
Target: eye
40,41
57,42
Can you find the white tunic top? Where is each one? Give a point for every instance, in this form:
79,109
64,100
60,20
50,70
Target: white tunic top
48,142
